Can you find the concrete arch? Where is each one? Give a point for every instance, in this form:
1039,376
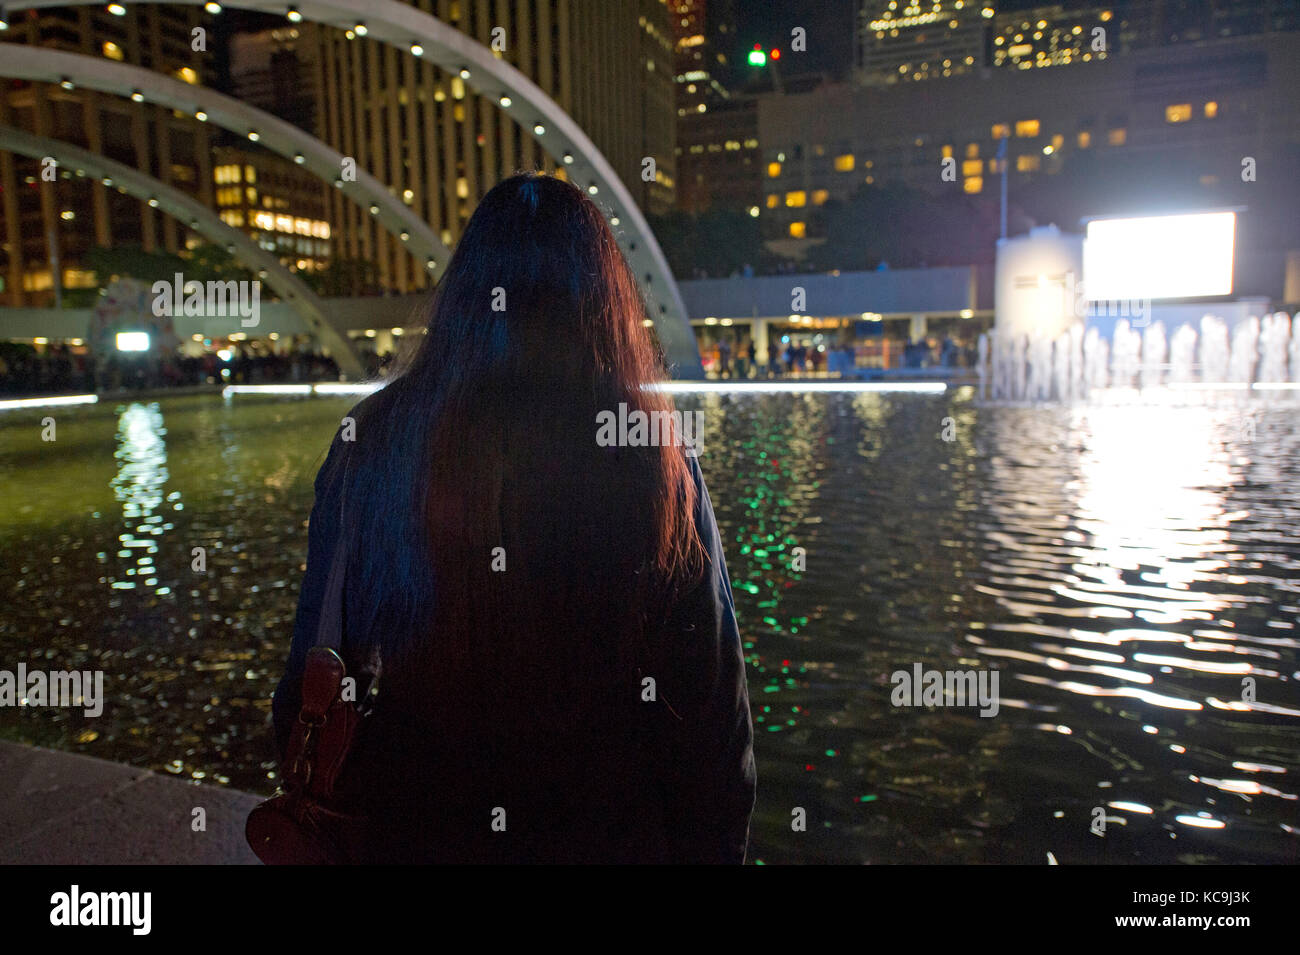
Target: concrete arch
22,61
201,219
406,27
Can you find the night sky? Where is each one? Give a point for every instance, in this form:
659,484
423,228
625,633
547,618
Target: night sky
830,32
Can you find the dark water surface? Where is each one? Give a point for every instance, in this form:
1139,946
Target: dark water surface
1123,569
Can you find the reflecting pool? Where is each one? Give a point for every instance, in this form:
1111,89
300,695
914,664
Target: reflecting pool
1132,573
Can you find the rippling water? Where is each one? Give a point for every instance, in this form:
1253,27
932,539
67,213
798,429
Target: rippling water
1124,569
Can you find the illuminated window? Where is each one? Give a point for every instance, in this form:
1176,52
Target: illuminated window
972,167
798,230
1027,128
947,152
252,195
1001,131
972,150
1058,141
37,281
973,184
462,187
820,196
796,199
250,174
235,174
1178,113
1211,110
113,51
1117,137
187,75
772,200
1085,140
844,163
284,223
1027,163
773,170
264,220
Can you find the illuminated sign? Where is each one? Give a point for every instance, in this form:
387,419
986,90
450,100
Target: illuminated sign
1154,257
132,341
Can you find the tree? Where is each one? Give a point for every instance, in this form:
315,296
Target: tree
344,277
719,241
203,263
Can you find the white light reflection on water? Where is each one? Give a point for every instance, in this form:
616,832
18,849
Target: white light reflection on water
141,457
1142,560
1150,496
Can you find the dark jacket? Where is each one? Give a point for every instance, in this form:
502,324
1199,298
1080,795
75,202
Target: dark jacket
666,781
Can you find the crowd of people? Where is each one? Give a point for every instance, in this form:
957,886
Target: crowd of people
946,354
741,359
63,369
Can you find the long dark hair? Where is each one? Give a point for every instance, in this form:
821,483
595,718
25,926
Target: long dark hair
487,439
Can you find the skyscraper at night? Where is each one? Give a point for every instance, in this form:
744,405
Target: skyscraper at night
46,222
440,146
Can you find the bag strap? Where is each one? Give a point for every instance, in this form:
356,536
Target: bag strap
329,631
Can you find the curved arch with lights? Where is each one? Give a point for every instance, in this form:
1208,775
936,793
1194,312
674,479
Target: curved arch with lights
413,30
202,220
137,83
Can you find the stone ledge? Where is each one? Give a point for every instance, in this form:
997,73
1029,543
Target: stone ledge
67,809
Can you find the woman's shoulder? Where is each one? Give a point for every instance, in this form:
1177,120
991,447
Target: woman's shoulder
374,404
693,469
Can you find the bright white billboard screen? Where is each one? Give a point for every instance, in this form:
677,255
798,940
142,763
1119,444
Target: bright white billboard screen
132,341
1154,257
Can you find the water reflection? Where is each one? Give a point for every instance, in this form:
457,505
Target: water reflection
1139,587
1124,568
141,475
